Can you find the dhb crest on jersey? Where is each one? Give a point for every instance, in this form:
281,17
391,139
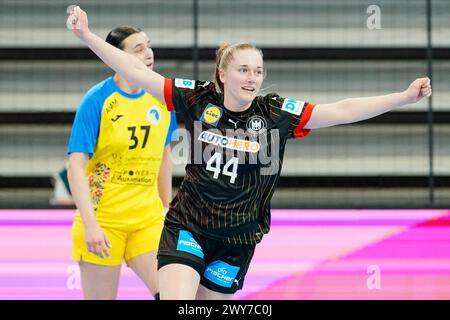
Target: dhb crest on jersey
185,83
293,106
154,115
212,114
256,125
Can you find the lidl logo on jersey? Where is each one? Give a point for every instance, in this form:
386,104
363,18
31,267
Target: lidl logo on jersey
185,83
293,106
229,143
187,243
212,114
154,115
221,273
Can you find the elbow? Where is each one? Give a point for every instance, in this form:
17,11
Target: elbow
165,192
70,169
131,70
343,115
165,195
137,72
166,204
76,165
71,172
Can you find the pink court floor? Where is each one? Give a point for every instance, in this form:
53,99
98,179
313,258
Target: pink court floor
308,254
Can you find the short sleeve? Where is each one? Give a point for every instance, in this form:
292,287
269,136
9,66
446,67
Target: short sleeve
86,125
181,94
291,115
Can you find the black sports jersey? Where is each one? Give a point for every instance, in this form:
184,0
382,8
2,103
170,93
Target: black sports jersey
235,159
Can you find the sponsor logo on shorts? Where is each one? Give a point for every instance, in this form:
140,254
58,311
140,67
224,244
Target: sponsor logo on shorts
187,243
185,83
212,114
293,106
221,273
229,143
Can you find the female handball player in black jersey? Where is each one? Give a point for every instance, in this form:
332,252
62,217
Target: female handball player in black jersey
237,142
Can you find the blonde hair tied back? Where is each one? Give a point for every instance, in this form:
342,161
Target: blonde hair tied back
224,55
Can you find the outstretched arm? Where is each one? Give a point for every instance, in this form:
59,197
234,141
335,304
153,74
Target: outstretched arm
128,66
358,109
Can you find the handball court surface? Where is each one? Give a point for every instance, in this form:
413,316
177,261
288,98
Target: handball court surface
308,254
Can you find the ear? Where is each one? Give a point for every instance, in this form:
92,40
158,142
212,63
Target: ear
222,75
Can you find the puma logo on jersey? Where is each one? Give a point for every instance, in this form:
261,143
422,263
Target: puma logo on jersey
117,118
235,123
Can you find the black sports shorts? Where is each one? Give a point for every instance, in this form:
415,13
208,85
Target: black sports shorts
221,267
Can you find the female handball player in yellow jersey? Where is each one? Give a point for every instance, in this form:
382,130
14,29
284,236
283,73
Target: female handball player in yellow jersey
120,175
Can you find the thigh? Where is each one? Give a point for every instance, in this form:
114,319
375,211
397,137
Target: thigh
178,282
204,293
99,282
80,252
180,263
145,267
140,253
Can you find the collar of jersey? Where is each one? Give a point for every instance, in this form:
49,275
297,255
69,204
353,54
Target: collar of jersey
241,113
237,113
123,93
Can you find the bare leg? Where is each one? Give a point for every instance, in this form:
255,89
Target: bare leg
204,293
178,282
145,266
99,282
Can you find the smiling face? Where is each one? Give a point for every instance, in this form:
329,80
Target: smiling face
139,46
242,78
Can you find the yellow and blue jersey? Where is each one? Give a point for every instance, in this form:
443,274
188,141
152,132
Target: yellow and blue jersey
125,136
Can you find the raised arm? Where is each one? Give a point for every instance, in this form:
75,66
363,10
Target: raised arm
128,66
358,109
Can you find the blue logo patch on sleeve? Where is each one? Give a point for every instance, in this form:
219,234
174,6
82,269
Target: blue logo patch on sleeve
187,243
185,83
221,273
293,106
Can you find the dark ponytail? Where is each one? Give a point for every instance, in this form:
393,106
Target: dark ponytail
116,36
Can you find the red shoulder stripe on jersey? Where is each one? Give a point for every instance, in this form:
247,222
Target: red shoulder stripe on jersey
168,94
299,132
